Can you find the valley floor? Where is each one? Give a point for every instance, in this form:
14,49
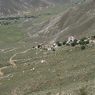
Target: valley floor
29,71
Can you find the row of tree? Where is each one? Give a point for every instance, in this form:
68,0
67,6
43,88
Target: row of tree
83,42
16,17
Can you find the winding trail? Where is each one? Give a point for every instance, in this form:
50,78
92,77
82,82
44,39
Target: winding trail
12,61
7,50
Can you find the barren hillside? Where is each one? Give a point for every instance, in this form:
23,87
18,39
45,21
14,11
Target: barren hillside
78,21
18,7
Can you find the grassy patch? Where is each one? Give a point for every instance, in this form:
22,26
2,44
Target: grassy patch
10,33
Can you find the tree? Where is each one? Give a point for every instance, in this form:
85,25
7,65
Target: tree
74,43
59,43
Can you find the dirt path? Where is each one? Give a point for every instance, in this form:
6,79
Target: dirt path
1,72
10,50
12,61
7,50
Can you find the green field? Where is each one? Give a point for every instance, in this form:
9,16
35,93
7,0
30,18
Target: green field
10,33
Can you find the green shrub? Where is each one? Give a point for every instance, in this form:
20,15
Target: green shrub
48,93
67,44
39,46
73,44
93,37
82,42
87,42
83,47
84,38
82,91
64,43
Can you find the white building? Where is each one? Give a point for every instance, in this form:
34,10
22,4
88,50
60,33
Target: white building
71,39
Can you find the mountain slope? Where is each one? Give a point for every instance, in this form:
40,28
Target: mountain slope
78,21
23,6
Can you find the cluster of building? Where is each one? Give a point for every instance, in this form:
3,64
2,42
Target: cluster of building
71,41
46,47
